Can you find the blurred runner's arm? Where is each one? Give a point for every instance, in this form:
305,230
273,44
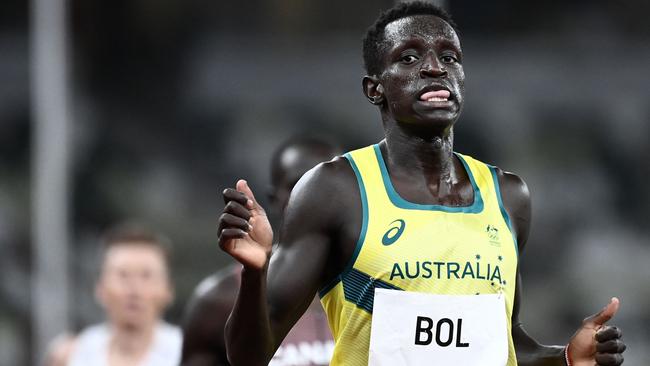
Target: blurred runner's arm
205,320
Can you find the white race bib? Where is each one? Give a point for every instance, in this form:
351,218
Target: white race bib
411,328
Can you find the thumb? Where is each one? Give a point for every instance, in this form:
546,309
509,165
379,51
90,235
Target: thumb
604,315
242,186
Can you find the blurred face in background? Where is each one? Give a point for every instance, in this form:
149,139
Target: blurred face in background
293,163
134,286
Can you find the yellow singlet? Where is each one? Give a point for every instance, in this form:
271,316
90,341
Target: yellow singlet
425,248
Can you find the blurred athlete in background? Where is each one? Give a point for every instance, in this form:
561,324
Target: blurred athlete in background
134,288
407,214
310,341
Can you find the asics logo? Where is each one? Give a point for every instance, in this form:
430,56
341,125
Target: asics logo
394,232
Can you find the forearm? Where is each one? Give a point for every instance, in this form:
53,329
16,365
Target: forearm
531,353
542,356
249,340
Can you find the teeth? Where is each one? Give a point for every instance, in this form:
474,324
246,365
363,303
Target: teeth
437,99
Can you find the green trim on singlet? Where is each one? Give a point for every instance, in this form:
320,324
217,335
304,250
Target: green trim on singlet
397,200
362,234
504,213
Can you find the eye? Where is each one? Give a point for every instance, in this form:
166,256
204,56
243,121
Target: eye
408,59
448,59
146,275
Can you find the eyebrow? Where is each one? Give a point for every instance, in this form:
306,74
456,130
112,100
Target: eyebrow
405,44
417,40
449,44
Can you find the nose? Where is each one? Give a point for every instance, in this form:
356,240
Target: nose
431,67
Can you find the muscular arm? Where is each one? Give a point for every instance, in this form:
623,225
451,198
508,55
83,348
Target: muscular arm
594,342
516,199
205,320
271,299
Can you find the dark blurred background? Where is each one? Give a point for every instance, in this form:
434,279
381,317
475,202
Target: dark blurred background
170,101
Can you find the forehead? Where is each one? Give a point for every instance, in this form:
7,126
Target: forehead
428,28
134,255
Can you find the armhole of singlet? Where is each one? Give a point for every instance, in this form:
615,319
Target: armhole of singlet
504,212
362,232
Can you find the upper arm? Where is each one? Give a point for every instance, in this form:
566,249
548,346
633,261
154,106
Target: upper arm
516,200
319,209
205,320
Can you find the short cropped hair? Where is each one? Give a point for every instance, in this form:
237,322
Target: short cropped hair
375,35
132,233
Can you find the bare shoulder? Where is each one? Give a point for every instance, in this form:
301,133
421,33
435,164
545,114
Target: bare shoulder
326,176
513,188
206,315
320,227
217,289
210,304
516,200
324,191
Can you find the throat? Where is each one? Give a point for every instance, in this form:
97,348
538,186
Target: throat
415,148
442,191
456,195
435,178
130,344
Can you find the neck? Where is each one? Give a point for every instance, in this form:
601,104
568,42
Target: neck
421,164
132,342
416,149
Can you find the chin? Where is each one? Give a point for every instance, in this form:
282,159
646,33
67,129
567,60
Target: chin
438,120
134,322
426,113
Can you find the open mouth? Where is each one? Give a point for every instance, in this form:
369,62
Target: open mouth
439,95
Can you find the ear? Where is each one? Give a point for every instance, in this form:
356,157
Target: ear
373,90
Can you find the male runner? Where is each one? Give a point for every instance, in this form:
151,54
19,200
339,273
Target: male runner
405,214
134,289
310,341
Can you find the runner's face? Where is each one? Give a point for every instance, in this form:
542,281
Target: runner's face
134,286
423,77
